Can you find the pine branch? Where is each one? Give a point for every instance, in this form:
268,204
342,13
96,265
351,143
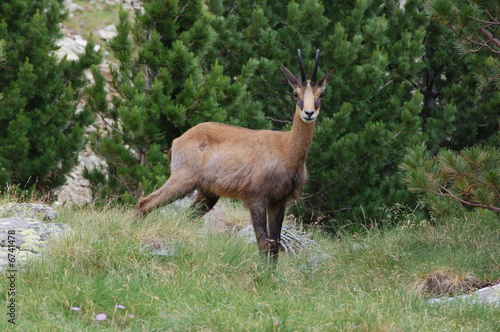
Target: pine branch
473,42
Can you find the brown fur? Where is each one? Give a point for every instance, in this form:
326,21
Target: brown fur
263,168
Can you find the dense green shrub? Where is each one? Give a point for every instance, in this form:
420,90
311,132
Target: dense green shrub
398,81
41,133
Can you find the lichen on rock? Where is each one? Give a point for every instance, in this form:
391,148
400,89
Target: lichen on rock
28,211
28,237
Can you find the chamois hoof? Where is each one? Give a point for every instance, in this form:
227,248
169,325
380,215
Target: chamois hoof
140,211
269,247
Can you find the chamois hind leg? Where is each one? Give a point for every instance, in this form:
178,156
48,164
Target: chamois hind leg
204,202
275,216
180,184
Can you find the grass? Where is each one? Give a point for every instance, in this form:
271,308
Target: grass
92,17
217,282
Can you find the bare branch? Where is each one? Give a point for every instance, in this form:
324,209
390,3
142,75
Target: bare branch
495,22
447,193
493,78
470,41
393,137
110,125
490,36
182,11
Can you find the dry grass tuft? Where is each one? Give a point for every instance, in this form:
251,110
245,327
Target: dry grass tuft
445,283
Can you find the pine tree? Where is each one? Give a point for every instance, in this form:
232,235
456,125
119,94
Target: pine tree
267,33
470,176
41,134
168,87
475,26
3,173
374,112
456,112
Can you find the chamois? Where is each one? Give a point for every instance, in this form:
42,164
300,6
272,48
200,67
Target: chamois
263,168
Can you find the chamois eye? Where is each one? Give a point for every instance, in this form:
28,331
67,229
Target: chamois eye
322,94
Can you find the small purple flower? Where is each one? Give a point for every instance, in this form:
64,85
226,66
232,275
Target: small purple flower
119,306
75,309
101,317
131,315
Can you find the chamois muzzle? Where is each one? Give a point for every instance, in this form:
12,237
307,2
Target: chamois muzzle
309,115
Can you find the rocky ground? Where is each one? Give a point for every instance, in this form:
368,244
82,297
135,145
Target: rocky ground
77,188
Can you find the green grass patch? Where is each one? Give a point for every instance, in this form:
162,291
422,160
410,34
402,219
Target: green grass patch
217,282
91,17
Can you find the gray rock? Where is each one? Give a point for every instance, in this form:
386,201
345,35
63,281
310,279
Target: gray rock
28,211
71,6
24,239
487,295
70,48
216,221
177,206
108,32
247,234
159,248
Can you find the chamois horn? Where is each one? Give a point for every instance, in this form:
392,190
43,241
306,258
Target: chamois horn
315,69
302,69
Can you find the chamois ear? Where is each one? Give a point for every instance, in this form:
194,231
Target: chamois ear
322,82
294,82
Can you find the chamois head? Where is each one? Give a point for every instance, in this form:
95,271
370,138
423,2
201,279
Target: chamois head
307,93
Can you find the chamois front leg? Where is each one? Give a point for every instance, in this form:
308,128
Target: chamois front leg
275,215
259,222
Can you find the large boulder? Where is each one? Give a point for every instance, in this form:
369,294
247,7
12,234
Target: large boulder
25,239
28,211
24,234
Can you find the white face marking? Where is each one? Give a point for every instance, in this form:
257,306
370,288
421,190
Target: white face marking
308,112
